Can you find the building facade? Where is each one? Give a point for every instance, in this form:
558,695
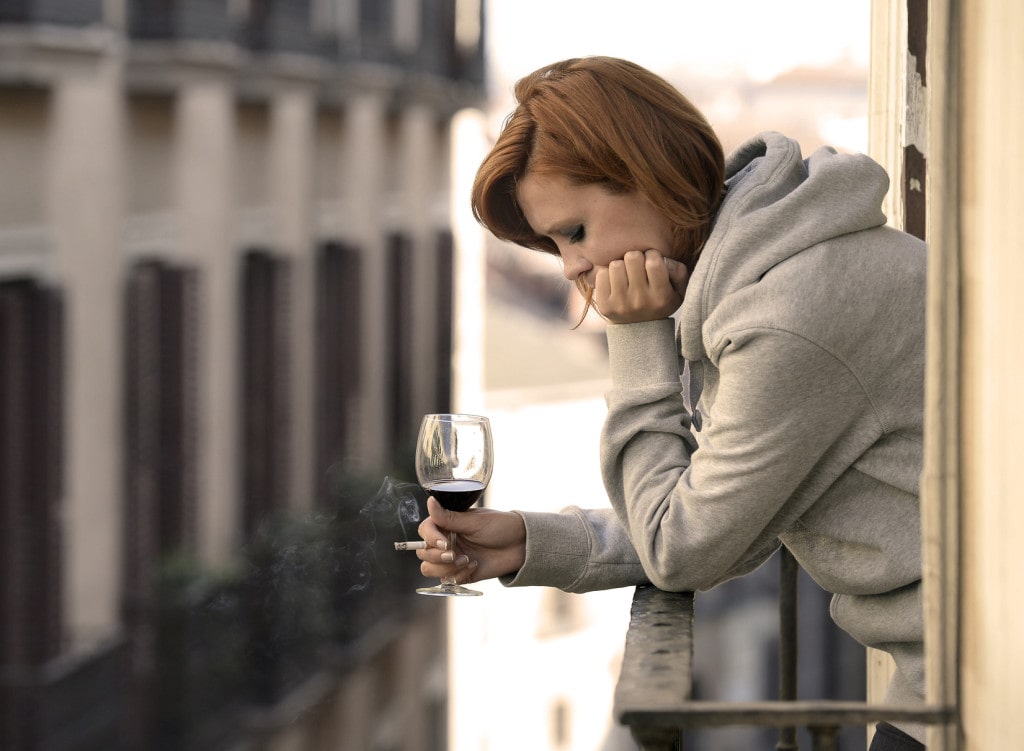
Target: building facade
225,299
943,123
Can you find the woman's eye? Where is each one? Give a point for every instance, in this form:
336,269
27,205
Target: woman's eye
575,234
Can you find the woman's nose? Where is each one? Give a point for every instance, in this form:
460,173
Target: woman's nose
574,266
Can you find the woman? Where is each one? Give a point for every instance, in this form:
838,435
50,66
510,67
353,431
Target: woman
784,406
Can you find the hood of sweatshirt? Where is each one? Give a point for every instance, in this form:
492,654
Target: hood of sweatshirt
777,204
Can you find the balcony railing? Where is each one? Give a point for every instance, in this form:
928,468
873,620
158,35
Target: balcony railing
654,697
234,652
179,19
270,27
58,12
72,702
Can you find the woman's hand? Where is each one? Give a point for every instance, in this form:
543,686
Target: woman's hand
489,543
643,286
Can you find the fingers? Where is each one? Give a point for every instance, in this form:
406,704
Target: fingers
612,284
434,530
438,561
678,276
439,522
462,571
489,543
631,271
430,533
643,286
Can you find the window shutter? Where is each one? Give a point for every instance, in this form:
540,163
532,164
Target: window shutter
338,361
400,420
31,473
445,319
178,408
266,357
160,423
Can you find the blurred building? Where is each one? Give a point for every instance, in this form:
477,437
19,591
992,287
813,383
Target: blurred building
816,105
225,299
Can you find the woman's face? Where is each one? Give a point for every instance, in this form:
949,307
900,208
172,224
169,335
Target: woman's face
591,225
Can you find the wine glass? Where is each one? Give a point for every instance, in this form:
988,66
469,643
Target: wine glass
454,458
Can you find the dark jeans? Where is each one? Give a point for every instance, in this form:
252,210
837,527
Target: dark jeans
889,738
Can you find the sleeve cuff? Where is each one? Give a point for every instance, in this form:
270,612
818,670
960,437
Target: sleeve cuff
557,551
643,354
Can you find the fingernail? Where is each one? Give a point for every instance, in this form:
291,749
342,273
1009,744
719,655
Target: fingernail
463,560
448,557
443,544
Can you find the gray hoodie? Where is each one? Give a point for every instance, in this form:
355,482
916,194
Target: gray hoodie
800,346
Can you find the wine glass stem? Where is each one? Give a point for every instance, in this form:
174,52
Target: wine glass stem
449,581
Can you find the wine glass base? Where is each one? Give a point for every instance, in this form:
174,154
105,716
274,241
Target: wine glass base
449,590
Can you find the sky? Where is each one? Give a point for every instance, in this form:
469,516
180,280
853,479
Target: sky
713,38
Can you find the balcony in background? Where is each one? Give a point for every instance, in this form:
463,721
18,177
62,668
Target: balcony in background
57,12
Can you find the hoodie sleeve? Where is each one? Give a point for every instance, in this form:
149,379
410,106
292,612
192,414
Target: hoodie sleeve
577,550
781,416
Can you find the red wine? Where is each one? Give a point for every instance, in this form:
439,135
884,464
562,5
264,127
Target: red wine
455,495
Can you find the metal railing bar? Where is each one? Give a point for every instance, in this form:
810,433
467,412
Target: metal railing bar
824,737
653,697
657,738
657,670
785,713
788,586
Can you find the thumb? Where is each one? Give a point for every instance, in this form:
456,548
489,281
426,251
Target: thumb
677,275
443,517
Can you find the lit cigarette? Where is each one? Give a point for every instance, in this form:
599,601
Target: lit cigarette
411,545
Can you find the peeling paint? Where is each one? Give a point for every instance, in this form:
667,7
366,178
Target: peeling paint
915,128
915,124
914,198
917,36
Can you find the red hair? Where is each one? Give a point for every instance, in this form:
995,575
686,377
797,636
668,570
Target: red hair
611,122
